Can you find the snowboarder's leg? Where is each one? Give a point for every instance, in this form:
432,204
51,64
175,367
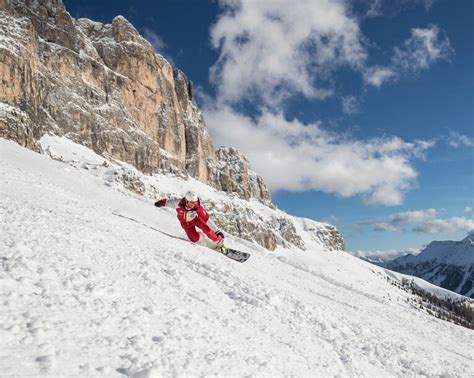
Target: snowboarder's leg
192,233
218,241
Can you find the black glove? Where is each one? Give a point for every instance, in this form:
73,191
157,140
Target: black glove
219,233
161,202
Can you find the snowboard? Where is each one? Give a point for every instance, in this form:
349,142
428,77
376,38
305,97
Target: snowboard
233,254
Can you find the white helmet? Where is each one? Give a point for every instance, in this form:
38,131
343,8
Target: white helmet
191,196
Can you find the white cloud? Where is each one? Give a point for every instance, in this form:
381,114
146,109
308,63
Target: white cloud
459,140
382,226
350,104
421,50
377,76
155,40
395,222
412,216
390,8
469,210
272,49
422,221
451,225
294,156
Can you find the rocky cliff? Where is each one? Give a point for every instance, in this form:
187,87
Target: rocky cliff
103,86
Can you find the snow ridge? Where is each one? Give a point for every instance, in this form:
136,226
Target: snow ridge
249,219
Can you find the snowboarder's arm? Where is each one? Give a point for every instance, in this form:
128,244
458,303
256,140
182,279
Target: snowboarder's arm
201,213
167,202
204,216
214,227
211,224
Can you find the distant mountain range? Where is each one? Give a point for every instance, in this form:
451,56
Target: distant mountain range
381,257
449,264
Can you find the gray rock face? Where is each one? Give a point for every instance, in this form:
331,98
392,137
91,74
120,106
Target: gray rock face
331,237
267,231
231,173
200,152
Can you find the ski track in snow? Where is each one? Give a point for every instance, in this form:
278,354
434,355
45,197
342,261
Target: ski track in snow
87,292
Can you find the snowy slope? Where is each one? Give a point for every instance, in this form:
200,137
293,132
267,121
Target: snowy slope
251,219
87,291
449,264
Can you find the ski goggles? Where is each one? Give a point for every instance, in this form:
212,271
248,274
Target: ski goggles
192,204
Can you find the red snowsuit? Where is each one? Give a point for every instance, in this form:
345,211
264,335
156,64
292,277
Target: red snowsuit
200,220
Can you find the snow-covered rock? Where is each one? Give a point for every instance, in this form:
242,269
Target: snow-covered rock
232,173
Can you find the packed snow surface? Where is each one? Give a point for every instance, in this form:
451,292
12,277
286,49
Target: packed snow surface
97,281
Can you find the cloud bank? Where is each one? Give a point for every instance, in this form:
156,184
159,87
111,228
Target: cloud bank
270,51
294,156
422,221
450,226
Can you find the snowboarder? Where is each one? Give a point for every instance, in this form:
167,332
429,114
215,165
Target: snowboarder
192,215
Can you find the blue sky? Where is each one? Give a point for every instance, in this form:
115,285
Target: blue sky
359,113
